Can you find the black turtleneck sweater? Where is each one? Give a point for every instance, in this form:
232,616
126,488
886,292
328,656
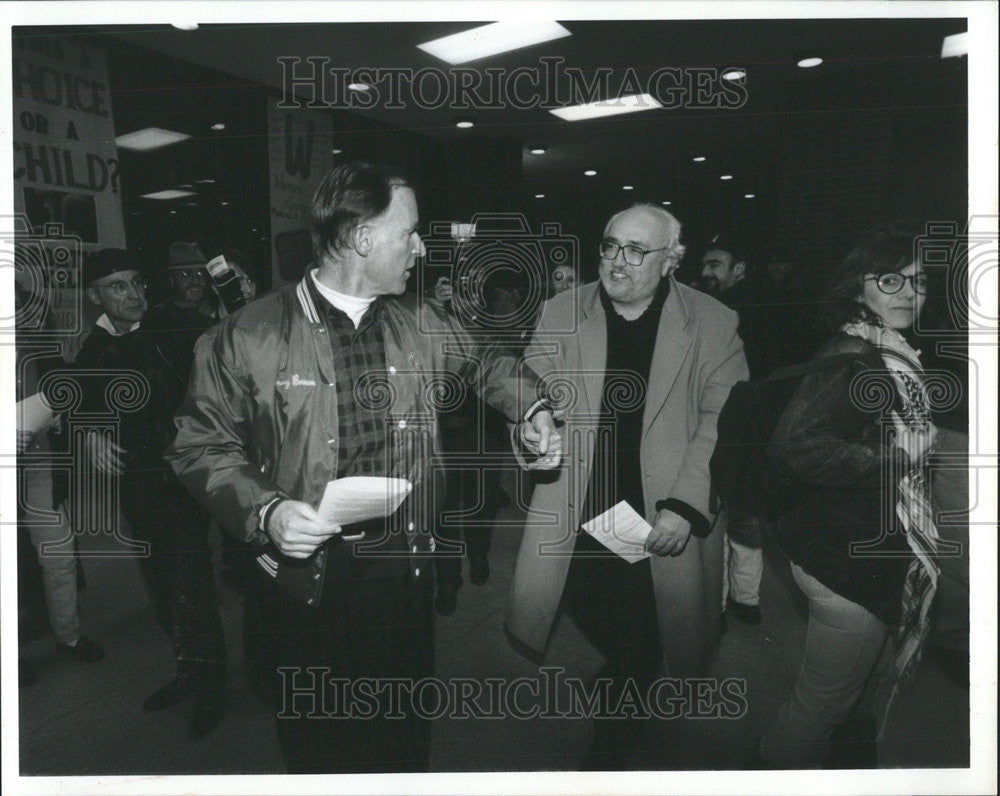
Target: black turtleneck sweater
616,474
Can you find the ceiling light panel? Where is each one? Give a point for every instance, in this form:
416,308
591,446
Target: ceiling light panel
486,40
610,107
149,138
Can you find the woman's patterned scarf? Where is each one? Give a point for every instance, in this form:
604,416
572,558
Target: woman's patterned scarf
913,503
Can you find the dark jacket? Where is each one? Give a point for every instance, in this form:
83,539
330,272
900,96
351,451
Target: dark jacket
830,437
260,419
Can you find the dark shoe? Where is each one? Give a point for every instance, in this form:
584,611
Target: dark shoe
479,571
854,745
446,600
84,651
210,704
749,614
177,690
723,624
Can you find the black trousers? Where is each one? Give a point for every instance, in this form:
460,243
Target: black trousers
465,485
613,605
340,675
178,569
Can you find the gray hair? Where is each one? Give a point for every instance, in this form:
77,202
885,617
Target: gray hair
669,224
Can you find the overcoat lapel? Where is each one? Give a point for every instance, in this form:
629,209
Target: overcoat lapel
592,340
673,341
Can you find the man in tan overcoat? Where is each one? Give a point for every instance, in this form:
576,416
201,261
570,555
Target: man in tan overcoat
639,367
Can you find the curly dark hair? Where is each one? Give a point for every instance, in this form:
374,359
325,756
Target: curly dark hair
886,248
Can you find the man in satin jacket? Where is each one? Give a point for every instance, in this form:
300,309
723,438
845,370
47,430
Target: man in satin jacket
341,375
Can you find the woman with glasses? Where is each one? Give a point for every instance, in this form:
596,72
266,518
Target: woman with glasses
856,435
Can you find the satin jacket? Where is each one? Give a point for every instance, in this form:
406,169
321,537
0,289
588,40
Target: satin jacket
260,417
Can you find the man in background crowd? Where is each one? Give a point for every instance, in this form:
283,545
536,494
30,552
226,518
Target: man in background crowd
159,510
724,274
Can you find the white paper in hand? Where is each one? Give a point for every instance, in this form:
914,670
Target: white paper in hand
622,530
359,498
33,414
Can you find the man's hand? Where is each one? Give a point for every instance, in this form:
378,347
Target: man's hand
105,454
540,438
670,534
296,529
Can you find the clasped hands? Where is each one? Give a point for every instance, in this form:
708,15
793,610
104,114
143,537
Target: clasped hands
541,439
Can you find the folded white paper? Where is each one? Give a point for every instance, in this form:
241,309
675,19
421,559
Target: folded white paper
622,530
359,498
33,414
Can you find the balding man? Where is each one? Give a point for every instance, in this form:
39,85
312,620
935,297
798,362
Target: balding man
646,372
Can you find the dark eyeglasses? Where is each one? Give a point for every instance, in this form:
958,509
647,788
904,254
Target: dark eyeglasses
893,282
120,287
633,254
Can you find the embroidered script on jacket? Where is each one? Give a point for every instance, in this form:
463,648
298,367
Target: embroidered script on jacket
295,381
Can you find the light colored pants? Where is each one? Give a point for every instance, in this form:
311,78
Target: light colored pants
58,565
743,567
950,495
848,656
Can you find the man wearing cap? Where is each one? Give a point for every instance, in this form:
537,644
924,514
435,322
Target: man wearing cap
123,349
341,375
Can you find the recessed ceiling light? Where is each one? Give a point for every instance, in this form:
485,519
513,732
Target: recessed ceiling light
955,45
609,107
465,124
359,87
170,193
184,25
627,187
538,150
664,203
539,196
590,173
734,74
173,212
224,204
809,63
699,159
336,151
218,126
725,176
749,195
206,181
499,37
149,138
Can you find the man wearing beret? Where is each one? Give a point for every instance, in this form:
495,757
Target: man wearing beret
159,510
